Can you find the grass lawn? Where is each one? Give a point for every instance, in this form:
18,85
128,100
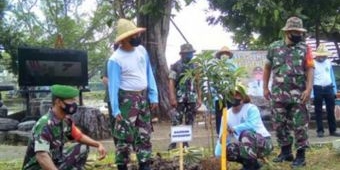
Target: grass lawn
319,157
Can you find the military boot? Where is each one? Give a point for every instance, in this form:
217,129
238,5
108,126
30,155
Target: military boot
172,146
285,155
122,167
251,164
299,161
144,166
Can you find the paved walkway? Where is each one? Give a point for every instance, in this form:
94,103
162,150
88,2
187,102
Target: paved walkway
160,141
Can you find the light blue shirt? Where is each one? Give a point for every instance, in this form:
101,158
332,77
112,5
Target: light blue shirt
324,75
248,118
130,71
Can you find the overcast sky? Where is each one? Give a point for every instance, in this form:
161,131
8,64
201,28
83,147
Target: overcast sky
191,20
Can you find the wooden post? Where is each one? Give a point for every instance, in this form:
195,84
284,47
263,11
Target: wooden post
181,156
224,161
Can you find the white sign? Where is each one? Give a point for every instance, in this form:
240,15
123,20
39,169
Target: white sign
181,133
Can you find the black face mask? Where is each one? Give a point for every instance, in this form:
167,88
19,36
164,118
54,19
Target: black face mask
70,109
236,102
135,41
321,59
295,38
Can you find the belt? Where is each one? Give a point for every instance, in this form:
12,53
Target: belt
132,92
323,87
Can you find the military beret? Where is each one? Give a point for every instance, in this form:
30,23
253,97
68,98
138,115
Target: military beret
63,91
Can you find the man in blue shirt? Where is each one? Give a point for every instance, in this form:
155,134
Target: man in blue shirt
132,87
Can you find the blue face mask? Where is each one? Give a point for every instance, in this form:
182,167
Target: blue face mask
187,56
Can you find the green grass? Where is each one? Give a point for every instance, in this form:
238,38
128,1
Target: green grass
319,157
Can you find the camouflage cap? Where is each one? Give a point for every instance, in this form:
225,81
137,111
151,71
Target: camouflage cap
187,48
63,91
294,24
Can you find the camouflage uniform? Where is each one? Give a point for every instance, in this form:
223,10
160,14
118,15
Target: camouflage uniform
251,145
133,132
289,65
185,93
50,134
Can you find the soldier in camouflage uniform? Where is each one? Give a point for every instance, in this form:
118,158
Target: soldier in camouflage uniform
291,63
184,97
47,149
130,79
246,126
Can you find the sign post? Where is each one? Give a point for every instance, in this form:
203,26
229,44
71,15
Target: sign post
180,134
224,161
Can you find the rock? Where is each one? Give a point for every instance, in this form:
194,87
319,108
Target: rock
45,105
7,124
34,107
336,146
26,126
18,137
92,122
3,111
2,136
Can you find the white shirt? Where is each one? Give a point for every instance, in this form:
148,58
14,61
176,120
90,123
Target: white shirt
133,68
248,118
322,75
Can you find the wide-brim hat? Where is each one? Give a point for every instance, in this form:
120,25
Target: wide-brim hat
64,92
224,50
187,48
294,24
322,51
126,28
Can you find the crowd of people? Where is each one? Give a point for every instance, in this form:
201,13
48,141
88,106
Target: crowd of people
132,93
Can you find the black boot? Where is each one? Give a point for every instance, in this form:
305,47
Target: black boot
251,164
144,166
285,155
122,167
299,161
172,146
185,145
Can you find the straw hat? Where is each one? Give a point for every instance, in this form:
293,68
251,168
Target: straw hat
126,28
224,50
294,24
322,51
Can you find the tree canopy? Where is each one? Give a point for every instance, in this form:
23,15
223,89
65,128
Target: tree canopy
267,17
39,22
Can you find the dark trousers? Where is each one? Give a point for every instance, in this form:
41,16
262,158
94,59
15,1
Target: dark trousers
219,114
112,121
324,93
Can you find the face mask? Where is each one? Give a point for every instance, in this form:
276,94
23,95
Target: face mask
320,59
187,57
70,109
295,38
135,41
224,56
236,102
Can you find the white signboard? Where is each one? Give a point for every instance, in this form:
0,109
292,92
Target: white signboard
181,133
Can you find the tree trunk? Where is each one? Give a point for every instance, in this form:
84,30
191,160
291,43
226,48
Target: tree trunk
337,60
317,31
155,40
